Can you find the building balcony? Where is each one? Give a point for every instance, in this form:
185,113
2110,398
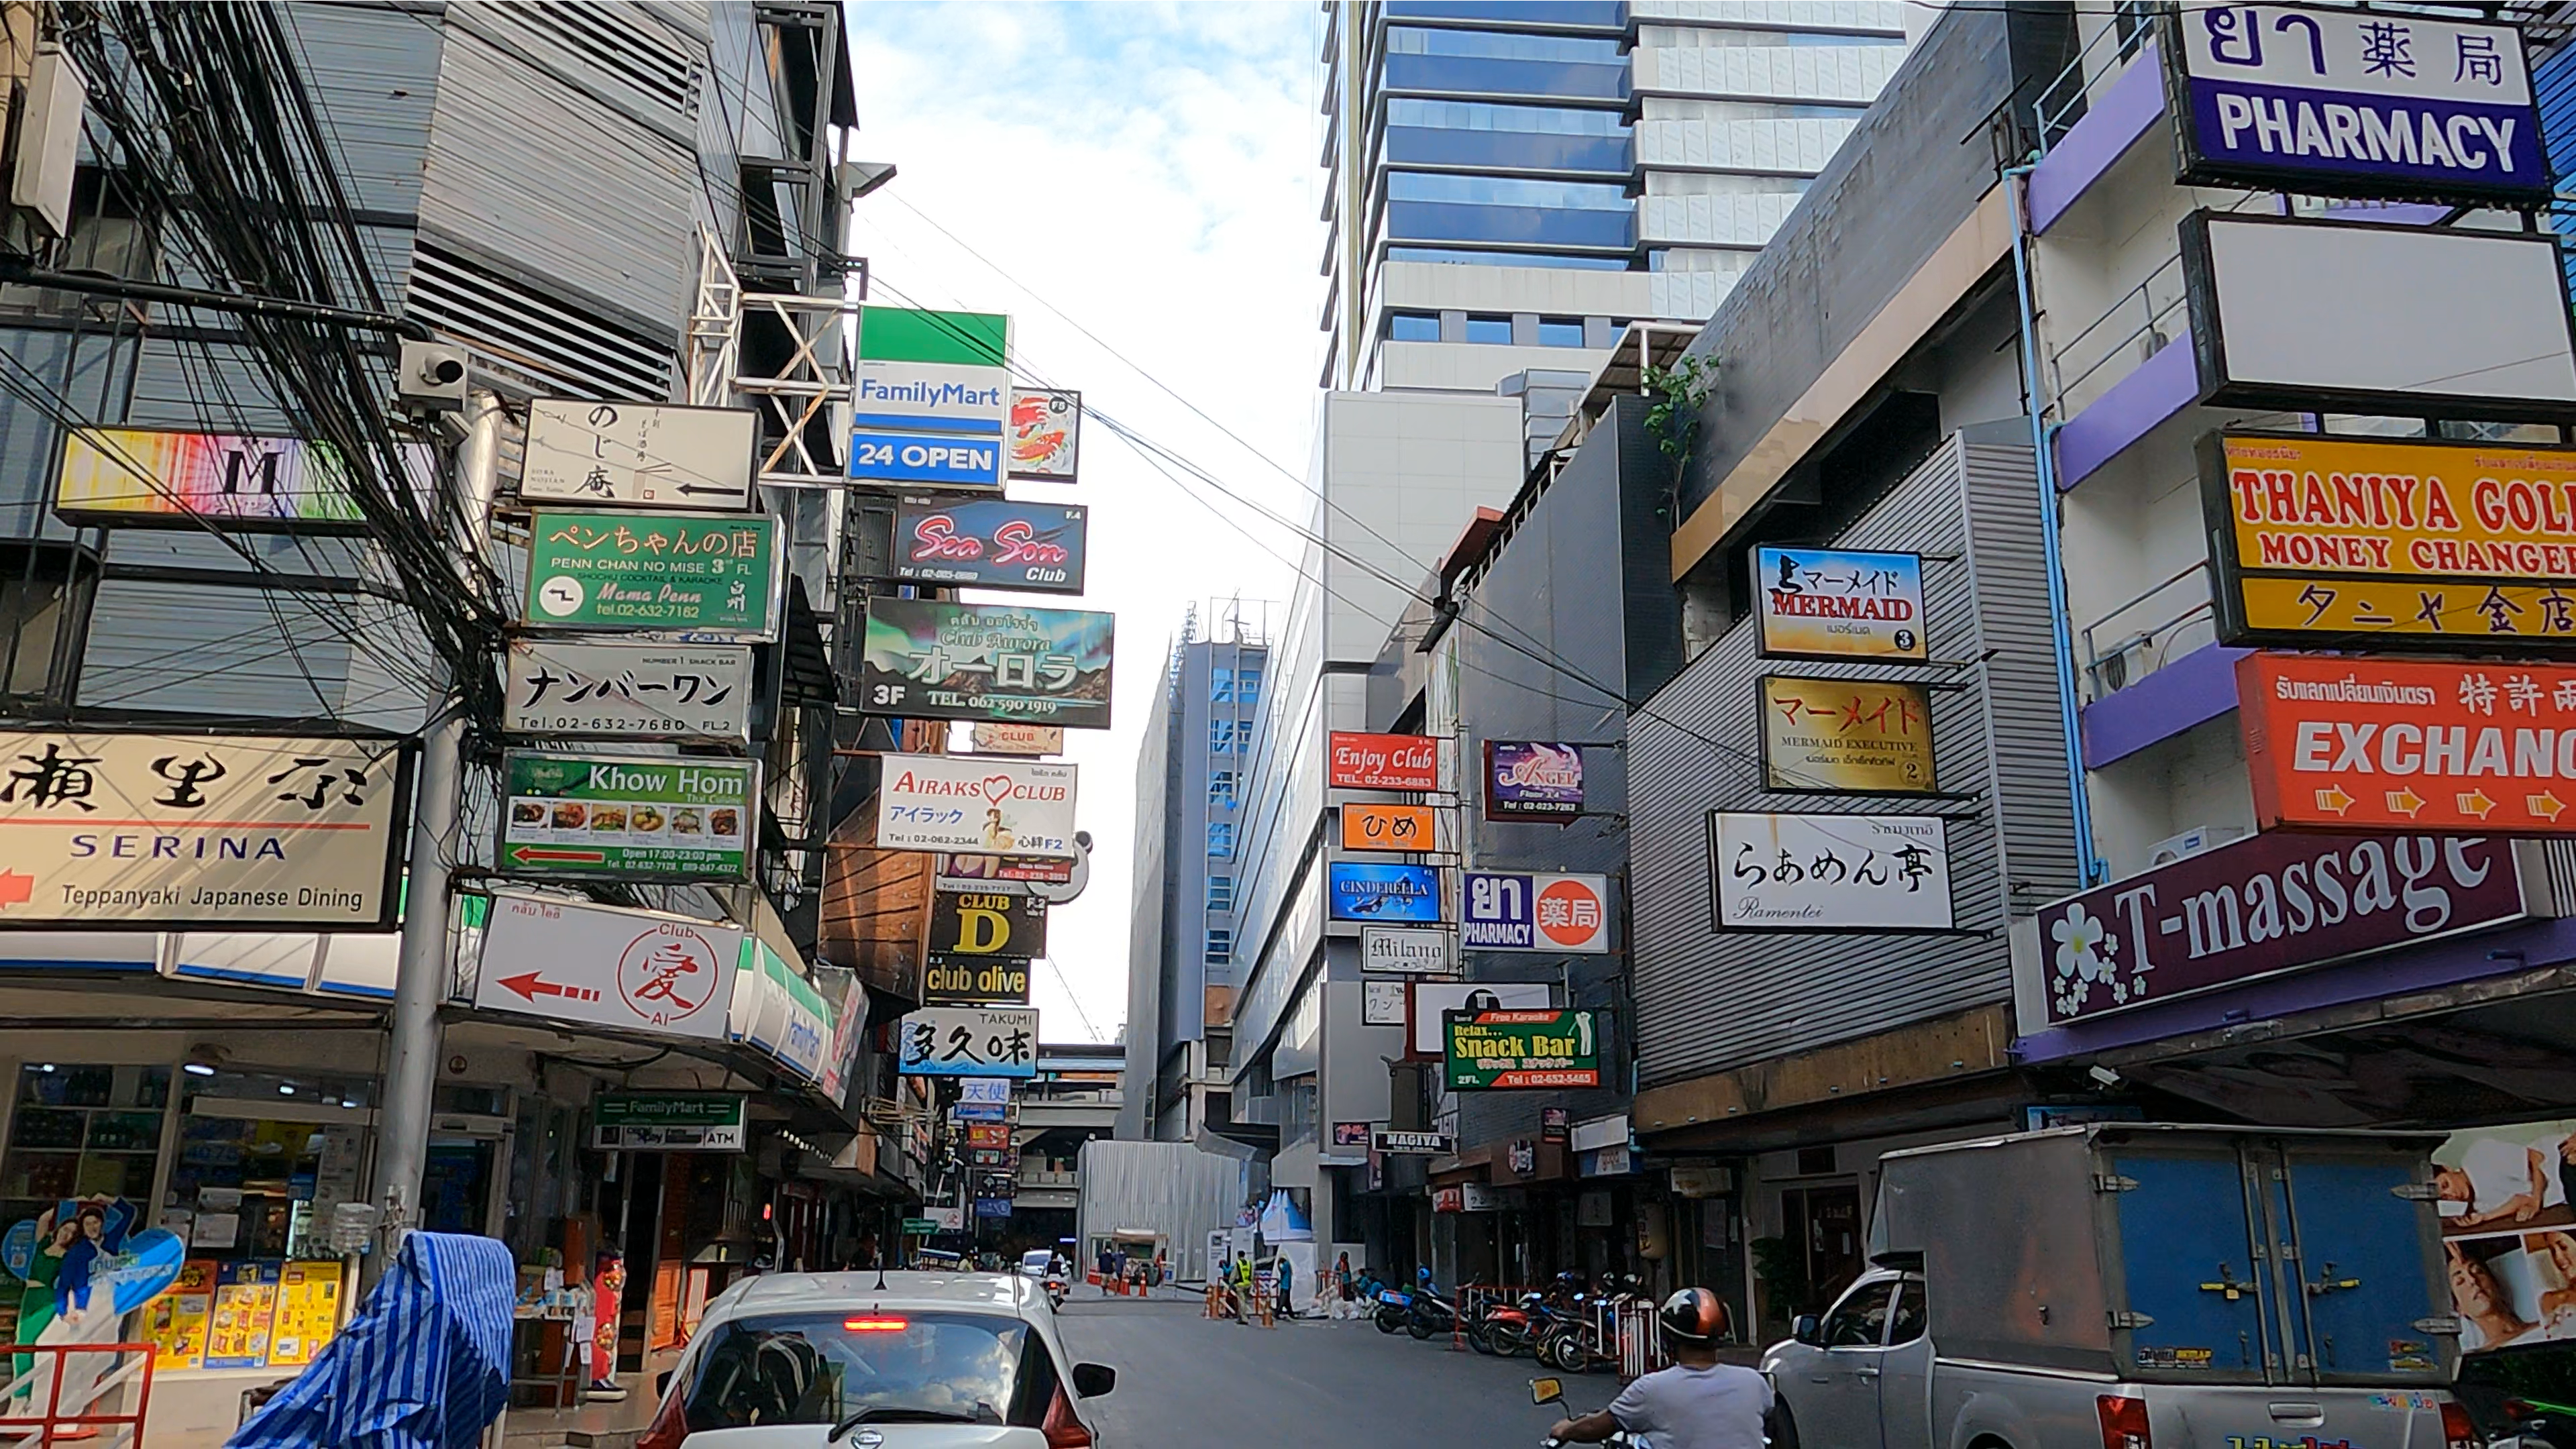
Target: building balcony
2091,116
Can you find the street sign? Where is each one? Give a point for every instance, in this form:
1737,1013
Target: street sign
715,575
1509,1050
976,804
1846,736
1359,761
992,1207
1415,1144
652,455
660,1122
571,689
970,1041
932,659
1838,603
641,971
1408,950
631,818
993,543
921,1227
1388,827
1530,911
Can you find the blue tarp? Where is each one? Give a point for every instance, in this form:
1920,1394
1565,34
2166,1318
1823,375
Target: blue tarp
423,1365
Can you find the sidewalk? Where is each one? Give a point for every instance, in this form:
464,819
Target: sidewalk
598,1425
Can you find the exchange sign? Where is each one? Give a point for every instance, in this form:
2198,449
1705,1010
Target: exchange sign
1388,827
1828,872
1533,780
928,659
969,1041
991,543
628,818
1382,762
653,455
1839,603
1522,911
225,832
673,574
1846,736
976,805
575,689
1046,434
1363,892
1509,1050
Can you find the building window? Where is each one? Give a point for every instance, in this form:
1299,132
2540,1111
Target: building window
1248,686
1221,790
1516,191
1220,893
1560,332
1413,326
1455,257
1220,839
1489,45
44,607
1221,686
1490,329
1220,946
1220,736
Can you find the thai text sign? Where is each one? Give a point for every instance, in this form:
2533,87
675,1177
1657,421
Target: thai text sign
1363,892
136,478
641,971
664,1123
224,832
632,818
1828,872
1509,911
1507,1050
1838,603
1408,950
925,659
2392,744
675,574
969,1041
1046,434
1533,780
654,455
1846,736
1382,762
2274,902
991,543
631,691
976,805
2400,542
980,925
2349,103
1388,827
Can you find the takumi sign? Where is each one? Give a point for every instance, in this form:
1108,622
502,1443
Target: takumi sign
1846,736
1533,780
629,818
969,1041
992,543
640,971
976,805
2274,902
654,455
930,659
2335,102
1828,872
1839,603
2387,744
1505,1050
1382,762
566,688
674,574
1388,827
1519,911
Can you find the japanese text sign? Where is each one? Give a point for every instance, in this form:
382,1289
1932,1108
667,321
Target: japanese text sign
139,479
2385,744
992,1092
1846,736
2275,902
992,543
1408,950
2402,543
569,689
1434,1000
676,574
969,1041
1533,780
640,971
1364,892
652,455
1046,434
926,659
630,818
981,925
1838,603
225,832
1382,762
1388,827
976,805
1828,872
1507,1050
2334,102
1511,911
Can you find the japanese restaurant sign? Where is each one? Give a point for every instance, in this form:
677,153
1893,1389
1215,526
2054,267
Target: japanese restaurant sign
641,971
564,688
134,478
632,818
653,455
1382,762
1521,911
2393,744
1846,736
969,1041
991,543
2271,903
1486,1051
1828,872
2336,102
136,830
2390,543
712,574
1388,827
1839,603
970,804
929,659
1533,780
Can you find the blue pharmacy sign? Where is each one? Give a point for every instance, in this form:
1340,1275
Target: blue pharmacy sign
1368,892
2358,103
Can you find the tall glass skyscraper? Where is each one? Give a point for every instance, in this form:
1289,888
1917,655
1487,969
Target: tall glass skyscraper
1509,178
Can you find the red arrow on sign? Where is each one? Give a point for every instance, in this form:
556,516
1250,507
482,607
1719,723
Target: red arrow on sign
526,853
531,985
16,889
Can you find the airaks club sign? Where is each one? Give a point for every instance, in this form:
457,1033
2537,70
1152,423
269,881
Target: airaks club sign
991,542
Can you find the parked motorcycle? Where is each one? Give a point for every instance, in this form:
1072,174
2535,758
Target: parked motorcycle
1583,1340
1429,1313
1394,1306
1502,1328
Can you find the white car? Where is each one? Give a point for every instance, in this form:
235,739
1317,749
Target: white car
927,1361
1034,1262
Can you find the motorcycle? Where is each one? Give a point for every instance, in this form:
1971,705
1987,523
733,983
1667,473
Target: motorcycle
1579,1342
1394,1306
1500,1328
1429,1313
1055,1290
1544,1392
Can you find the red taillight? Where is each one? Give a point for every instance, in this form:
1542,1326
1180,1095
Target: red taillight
2458,1432
670,1427
1062,1429
2124,1422
876,1325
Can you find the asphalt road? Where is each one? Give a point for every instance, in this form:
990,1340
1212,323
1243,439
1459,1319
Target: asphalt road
1187,1383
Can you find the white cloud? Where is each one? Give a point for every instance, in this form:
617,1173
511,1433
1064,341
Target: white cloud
1150,170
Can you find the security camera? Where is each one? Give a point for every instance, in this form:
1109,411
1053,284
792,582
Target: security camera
2103,1075
431,377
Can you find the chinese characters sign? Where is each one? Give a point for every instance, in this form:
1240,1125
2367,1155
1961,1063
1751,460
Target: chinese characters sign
138,478
2334,102
1046,434
1388,827
977,806
1504,911
607,966
632,691
649,454
991,542
1382,762
1828,872
1365,892
654,571
635,819
1846,736
926,659
1533,780
174,830
1487,1051
969,1041
1838,603
2402,543
2385,744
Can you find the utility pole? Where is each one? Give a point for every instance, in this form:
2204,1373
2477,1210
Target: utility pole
423,977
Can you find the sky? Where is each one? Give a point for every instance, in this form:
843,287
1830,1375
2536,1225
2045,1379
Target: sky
1146,174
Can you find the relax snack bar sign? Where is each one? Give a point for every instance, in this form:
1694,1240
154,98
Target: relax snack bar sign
1509,1050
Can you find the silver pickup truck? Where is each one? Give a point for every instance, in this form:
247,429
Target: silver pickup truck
2129,1286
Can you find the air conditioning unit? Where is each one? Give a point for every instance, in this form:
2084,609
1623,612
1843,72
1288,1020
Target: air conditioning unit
2189,843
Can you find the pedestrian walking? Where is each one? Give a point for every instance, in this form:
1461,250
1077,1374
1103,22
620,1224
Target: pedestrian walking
1287,1274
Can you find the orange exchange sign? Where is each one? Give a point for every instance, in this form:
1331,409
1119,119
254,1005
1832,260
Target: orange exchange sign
2384,744
1388,827
2405,543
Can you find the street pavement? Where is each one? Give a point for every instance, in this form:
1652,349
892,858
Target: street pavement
1185,1382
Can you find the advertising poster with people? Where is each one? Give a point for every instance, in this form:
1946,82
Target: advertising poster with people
2509,1233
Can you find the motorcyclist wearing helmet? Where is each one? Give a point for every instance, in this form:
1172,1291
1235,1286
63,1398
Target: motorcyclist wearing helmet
1698,1403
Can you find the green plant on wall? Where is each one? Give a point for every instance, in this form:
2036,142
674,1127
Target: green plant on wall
1783,1271
1679,392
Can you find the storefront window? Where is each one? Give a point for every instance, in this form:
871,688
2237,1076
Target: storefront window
263,1160
82,1131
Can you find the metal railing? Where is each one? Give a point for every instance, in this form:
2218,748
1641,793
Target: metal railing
2171,618
2136,327
2102,60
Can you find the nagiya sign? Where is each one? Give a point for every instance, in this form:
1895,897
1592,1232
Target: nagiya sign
1383,762
2389,744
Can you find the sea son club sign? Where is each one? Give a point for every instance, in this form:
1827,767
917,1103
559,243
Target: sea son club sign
2273,903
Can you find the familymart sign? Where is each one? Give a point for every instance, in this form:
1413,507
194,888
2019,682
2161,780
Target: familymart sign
663,1123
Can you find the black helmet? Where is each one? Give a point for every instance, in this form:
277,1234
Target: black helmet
1694,1316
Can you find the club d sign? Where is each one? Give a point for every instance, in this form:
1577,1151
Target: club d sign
968,927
